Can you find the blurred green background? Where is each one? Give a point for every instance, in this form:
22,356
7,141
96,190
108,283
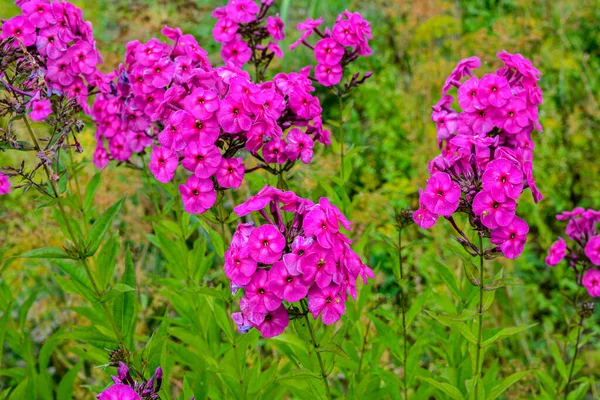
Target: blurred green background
415,46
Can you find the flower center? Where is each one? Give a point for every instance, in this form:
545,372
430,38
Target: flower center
289,279
511,114
268,317
261,291
512,235
265,243
195,192
494,89
496,204
328,299
503,179
300,253
199,158
440,193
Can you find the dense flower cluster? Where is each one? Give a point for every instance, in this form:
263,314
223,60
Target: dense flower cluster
63,46
582,229
337,47
241,28
281,263
126,388
204,115
487,151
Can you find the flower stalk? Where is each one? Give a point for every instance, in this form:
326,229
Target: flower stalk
477,374
313,340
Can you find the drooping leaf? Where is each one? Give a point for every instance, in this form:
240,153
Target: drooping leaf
65,387
447,388
505,384
100,227
125,305
47,252
90,191
506,332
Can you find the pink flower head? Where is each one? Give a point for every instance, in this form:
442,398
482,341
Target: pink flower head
236,52
556,252
274,151
266,244
198,195
290,287
101,157
327,303
328,75
275,49
49,44
513,116
160,73
318,223
301,255
163,163
233,117
344,32
300,145
171,137
39,13
503,179
40,110
329,52
119,148
511,238
462,69
84,57
468,98
423,217
304,105
446,123
20,28
591,281
119,391
307,27
320,267
60,71
275,27
493,213
230,172
201,103
274,322
260,298
239,267
242,11
203,161
493,90
592,250
4,184
441,195
225,30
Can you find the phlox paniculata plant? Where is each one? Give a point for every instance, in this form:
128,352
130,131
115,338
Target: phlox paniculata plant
486,161
583,253
298,262
203,118
48,69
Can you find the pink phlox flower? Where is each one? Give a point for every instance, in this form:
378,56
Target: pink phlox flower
266,244
236,52
329,52
441,194
467,95
503,179
512,117
591,281
239,267
274,151
328,75
233,117
40,110
300,145
163,163
423,217
301,254
201,103
119,391
242,11
592,250
225,30
285,284
275,26
493,90
198,195
462,69
557,252
274,322
4,184
511,238
230,172
260,297
319,267
19,27
203,161
327,303
493,213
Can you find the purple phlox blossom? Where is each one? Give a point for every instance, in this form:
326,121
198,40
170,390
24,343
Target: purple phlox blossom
511,238
557,252
591,281
592,250
441,194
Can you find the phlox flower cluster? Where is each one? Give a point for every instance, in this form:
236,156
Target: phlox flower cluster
201,117
487,151
584,252
61,44
337,47
126,388
242,27
302,258
4,184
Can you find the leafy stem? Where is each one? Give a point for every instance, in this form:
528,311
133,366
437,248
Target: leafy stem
313,340
477,374
579,331
403,309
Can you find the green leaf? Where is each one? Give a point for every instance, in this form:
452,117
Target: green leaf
471,272
124,306
505,384
215,239
558,361
106,261
101,226
79,278
580,392
3,325
416,307
450,390
506,332
90,191
65,387
46,252
449,278
299,373
333,348
456,325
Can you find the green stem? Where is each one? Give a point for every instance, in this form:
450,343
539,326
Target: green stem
341,135
403,308
364,346
477,374
579,331
316,347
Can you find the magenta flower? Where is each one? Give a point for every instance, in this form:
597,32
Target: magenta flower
230,173
239,267
441,195
591,281
101,157
424,218
160,73
513,117
327,303
236,52
203,161
242,11
493,90
225,30
119,391
493,213
198,195
60,71
511,238
49,44
304,105
40,110
233,117
480,122
274,322
4,184
201,103
119,148
260,298
285,284
301,255
20,28
83,57
171,137
446,123
592,250
300,145
328,75
345,33
324,228
557,252
503,180
274,151
39,13
462,69
163,163
275,27
467,95
266,244
329,52
320,267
